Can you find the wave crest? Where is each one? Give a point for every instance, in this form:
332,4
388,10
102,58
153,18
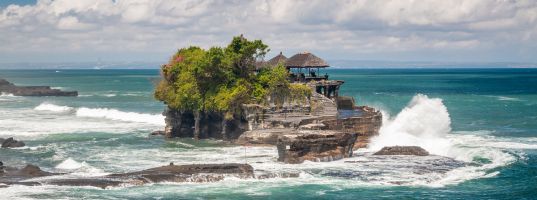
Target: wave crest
52,107
105,113
120,115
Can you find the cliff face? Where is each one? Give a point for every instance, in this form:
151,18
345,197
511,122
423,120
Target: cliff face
180,124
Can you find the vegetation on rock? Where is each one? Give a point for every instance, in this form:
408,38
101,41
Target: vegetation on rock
223,79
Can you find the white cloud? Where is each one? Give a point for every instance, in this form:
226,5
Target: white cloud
72,23
362,29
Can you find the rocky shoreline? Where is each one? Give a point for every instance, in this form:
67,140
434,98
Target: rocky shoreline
10,88
172,173
319,130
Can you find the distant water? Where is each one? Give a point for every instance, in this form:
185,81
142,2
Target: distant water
486,118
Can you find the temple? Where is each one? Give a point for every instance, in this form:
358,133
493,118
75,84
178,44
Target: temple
306,68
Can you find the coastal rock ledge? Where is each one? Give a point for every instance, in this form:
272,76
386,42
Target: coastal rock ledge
321,146
171,173
10,88
402,150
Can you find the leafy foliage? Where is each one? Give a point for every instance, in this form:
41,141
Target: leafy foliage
222,79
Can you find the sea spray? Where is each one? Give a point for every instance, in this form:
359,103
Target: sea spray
423,122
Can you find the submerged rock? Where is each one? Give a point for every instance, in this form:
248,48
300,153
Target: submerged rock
402,150
317,146
7,87
11,143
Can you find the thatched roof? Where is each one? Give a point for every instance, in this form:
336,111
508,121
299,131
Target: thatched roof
280,58
305,60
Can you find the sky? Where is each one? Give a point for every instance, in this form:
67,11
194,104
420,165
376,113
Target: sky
347,30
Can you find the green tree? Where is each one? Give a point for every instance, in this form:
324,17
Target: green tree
220,80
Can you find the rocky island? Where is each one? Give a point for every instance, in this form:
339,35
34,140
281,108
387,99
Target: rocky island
232,94
10,88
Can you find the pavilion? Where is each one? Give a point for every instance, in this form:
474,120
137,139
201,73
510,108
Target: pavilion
305,68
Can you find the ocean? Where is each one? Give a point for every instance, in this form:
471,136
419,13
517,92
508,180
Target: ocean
486,118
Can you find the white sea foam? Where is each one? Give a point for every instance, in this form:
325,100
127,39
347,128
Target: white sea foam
109,95
47,118
120,115
505,98
425,122
3,94
52,107
78,168
69,164
59,88
105,113
7,97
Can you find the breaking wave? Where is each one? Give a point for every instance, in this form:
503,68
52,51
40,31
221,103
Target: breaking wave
425,122
52,107
120,115
105,113
79,168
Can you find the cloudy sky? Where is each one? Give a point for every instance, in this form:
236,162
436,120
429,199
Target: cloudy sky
385,30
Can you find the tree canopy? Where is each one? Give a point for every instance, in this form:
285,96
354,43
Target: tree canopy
222,79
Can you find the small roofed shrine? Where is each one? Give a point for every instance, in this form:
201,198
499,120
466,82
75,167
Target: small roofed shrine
305,68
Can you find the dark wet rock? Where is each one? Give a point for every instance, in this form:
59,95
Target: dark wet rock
7,87
11,143
317,146
158,133
402,150
170,173
12,175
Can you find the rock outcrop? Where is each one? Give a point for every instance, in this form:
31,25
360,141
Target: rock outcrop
314,129
402,150
11,143
7,87
181,123
317,146
170,173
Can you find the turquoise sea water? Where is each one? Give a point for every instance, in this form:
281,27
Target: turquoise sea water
486,118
